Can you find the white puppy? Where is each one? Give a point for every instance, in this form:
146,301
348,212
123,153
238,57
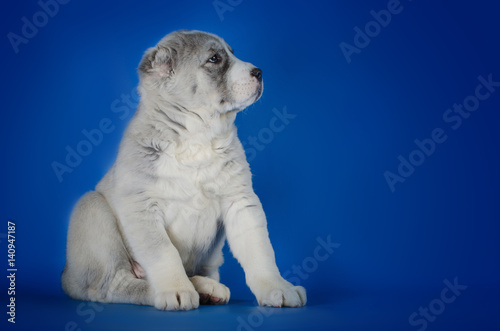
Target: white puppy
152,233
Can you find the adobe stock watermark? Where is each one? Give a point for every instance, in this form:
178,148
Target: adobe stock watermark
363,37
123,107
454,118
295,275
30,27
277,123
87,311
436,307
223,6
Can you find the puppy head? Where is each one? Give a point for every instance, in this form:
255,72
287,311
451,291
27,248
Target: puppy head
199,71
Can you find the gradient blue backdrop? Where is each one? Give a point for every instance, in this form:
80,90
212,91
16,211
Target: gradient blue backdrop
321,176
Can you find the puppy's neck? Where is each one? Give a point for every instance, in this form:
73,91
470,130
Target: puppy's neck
186,123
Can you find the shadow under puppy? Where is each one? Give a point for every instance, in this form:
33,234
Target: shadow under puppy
153,230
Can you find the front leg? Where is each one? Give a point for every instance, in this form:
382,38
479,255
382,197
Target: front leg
247,235
143,228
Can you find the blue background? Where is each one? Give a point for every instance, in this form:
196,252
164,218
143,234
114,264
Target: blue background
321,176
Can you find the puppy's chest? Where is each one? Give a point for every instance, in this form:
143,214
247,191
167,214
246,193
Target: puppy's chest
191,182
195,167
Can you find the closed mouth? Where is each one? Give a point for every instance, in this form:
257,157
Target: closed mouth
259,91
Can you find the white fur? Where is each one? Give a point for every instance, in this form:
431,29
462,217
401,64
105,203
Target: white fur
153,231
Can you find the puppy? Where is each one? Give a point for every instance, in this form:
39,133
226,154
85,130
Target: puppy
153,230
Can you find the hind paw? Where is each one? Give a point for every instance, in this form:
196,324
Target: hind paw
211,292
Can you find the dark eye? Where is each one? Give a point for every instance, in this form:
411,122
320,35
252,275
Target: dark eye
214,59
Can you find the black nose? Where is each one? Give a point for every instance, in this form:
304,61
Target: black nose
257,73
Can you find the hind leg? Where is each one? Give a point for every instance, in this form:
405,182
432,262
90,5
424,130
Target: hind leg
98,267
125,288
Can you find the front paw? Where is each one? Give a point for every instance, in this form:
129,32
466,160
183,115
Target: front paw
280,293
177,299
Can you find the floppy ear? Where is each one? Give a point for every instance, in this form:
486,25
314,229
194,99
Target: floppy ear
158,61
